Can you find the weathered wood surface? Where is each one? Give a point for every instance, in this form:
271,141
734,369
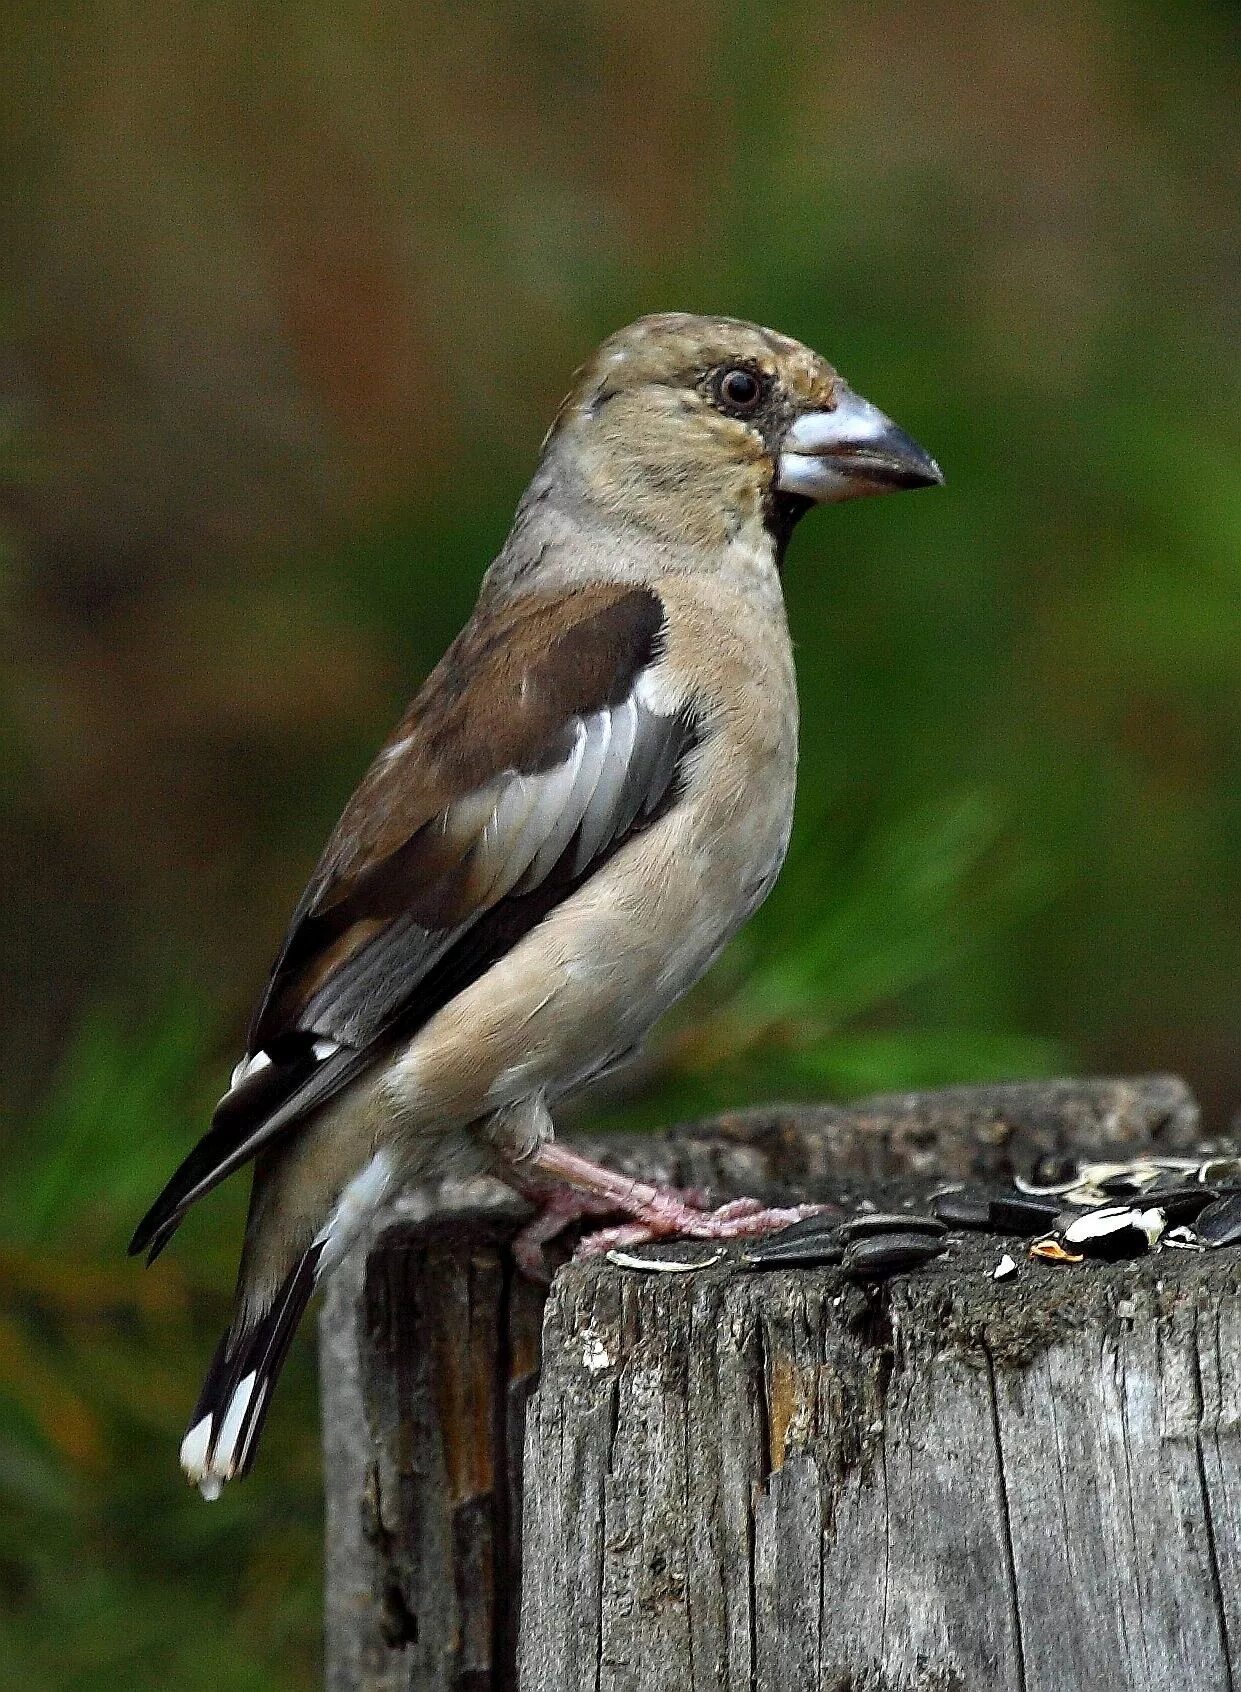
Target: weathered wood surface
734,1481
427,1352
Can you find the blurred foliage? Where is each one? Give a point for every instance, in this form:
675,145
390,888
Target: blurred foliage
809,1001
110,1573
288,295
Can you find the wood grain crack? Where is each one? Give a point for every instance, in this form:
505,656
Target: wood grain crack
1006,1522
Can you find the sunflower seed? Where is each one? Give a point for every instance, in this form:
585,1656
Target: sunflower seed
864,1227
877,1255
1021,1213
1220,1172
1004,1269
810,1241
1178,1201
815,1227
1220,1223
963,1209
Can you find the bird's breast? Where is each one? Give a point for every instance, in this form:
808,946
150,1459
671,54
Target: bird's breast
714,857
608,961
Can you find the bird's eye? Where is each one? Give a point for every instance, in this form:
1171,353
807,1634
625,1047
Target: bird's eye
738,390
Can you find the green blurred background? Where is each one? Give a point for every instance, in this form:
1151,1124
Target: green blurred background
289,293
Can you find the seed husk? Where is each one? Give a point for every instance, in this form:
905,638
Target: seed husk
1052,1250
1051,1174
1128,1182
664,1265
1115,1232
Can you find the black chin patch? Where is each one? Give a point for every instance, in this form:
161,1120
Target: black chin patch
781,514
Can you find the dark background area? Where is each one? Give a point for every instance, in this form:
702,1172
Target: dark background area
288,294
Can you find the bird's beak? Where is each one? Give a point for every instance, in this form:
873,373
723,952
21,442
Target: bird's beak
850,451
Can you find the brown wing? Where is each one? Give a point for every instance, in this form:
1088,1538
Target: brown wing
419,838
531,753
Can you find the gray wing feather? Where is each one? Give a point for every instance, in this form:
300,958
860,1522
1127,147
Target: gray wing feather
599,823
514,833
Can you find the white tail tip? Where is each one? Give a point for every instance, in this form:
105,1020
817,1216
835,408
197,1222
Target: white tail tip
210,1457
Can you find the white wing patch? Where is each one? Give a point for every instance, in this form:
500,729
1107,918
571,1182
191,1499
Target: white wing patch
255,1062
619,766
249,1065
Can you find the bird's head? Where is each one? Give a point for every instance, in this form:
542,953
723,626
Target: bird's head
696,428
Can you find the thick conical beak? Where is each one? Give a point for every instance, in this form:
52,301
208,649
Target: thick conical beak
850,451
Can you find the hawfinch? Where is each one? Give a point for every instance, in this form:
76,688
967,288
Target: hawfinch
589,796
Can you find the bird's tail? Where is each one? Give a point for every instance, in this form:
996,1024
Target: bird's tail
232,1407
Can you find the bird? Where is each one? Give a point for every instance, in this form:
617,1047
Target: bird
589,795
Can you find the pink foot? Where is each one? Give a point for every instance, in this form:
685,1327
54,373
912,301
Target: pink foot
560,1207
570,1187
739,1219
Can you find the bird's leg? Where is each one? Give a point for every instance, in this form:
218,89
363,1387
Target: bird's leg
520,1132
558,1208
568,1187
661,1212
626,1234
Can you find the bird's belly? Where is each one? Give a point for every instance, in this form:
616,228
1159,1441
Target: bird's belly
591,979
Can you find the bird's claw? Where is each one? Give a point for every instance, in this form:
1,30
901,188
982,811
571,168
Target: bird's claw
561,1208
739,1219
568,1187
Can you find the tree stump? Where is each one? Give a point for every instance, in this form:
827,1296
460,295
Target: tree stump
785,1482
